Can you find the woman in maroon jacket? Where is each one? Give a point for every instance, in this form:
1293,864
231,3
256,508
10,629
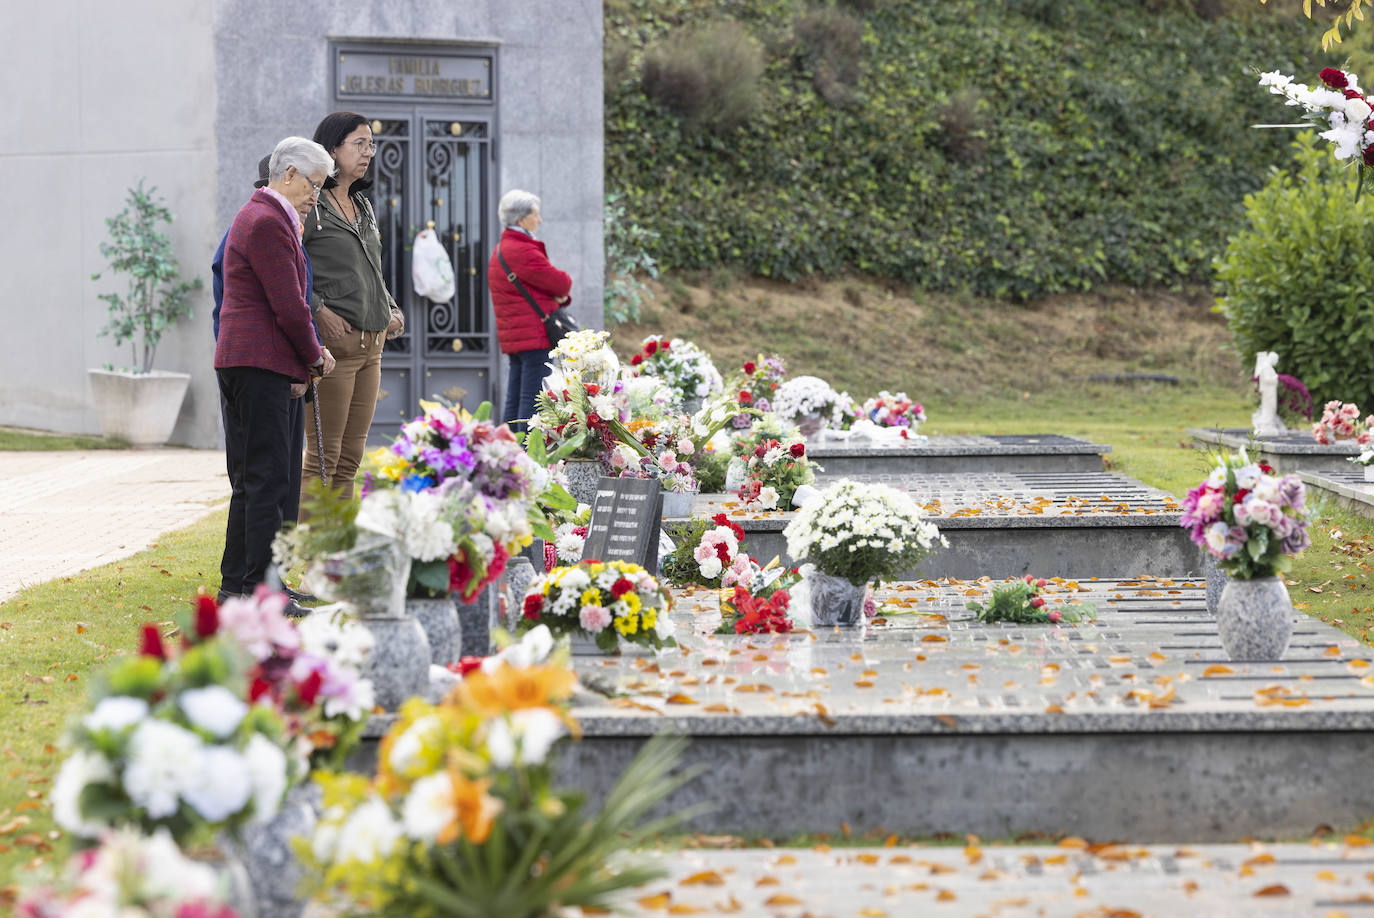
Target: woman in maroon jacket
266,349
520,324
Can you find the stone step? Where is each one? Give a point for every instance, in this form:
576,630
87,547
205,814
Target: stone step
1293,452
1345,486
968,454
1332,879
1132,726
1010,524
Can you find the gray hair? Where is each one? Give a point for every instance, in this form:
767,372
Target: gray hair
307,156
516,205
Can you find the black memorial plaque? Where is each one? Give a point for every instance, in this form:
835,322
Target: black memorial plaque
625,522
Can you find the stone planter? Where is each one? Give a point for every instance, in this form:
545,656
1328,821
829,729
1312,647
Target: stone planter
583,475
439,619
266,852
678,504
140,408
475,621
835,601
1255,619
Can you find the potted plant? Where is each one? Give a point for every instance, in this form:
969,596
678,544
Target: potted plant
141,404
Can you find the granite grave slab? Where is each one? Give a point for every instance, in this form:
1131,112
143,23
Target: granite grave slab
1070,524
1344,486
1133,726
944,454
1295,452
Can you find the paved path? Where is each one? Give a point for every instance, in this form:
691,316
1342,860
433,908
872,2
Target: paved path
65,512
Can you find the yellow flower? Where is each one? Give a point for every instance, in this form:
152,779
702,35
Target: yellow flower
627,624
648,618
632,602
590,597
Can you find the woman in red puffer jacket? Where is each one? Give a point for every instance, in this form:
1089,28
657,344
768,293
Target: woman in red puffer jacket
519,328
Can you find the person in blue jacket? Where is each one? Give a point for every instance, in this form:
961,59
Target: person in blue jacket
296,411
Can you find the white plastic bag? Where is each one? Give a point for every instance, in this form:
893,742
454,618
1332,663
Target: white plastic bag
430,269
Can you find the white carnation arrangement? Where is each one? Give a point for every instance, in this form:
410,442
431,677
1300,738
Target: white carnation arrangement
685,369
810,396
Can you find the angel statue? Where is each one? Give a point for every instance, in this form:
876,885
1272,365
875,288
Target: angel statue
1265,422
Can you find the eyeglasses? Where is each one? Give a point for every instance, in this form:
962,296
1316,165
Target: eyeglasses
315,190
364,145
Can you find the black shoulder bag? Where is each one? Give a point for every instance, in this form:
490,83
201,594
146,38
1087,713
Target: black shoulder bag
557,324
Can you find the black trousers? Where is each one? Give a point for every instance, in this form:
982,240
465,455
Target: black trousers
263,429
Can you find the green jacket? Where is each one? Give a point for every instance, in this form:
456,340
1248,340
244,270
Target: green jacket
348,265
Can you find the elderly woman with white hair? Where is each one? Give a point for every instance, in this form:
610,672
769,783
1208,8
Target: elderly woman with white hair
266,347
520,312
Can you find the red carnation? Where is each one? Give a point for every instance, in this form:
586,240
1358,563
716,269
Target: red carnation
663,344
1352,94
636,360
1368,158
723,553
1037,602
259,688
207,616
593,389
533,603
309,688
151,645
651,348
1240,495
467,665
749,367
1334,78
1266,468
621,587
797,450
745,398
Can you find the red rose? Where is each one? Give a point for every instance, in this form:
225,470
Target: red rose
797,450
636,360
651,348
1040,582
749,367
1240,496
151,645
621,587
593,389
720,519
1334,78
663,344
1037,602
533,603
1368,161
745,398
1352,94
207,616
1266,468
467,665
259,688
309,689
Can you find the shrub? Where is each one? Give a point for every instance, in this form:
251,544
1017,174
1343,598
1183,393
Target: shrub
828,45
707,75
964,125
626,260
1297,279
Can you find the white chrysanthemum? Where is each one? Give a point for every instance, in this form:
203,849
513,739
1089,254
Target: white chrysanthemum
80,769
163,762
221,786
266,765
333,637
369,833
428,807
569,547
575,579
213,709
523,738
410,748
116,713
166,874
768,498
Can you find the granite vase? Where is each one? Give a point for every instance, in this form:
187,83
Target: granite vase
583,645
678,504
835,601
583,475
265,850
439,619
1216,581
515,581
475,621
1255,619
235,882
399,662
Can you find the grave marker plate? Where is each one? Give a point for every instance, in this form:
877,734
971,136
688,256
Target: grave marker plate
625,522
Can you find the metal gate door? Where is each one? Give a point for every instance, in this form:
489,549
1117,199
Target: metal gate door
433,168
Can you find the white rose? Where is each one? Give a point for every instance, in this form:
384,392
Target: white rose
80,769
116,713
1357,110
214,709
266,766
222,786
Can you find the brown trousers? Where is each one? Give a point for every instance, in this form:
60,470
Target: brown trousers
347,398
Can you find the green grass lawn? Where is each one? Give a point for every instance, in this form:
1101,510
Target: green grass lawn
15,440
54,636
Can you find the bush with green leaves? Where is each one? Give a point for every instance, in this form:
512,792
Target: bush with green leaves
627,261
707,74
157,297
1298,278
1112,143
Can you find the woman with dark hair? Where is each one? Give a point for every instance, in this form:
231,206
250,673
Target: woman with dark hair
352,308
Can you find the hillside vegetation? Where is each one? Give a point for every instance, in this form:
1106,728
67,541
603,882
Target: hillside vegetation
1008,149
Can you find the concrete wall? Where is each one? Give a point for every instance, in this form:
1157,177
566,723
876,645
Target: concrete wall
190,93
98,96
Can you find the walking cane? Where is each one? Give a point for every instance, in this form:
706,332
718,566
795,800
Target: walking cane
319,431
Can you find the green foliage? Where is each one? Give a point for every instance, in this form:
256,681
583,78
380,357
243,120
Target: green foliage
1298,278
710,468
1112,143
157,297
707,74
627,258
1016,603
680,568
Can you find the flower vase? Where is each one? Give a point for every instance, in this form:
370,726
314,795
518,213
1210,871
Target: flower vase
439,619
835,601
475,621
399,662
812,427
370,578
1368,472
678,504
265,851
735,474
584,645
583,476
1255,618
516,579
1216,581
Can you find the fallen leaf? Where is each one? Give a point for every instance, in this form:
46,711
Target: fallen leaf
681,699
768,881
782,899
704,878
1278,889
1217,669
683,908
945,896
948,720
660,900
